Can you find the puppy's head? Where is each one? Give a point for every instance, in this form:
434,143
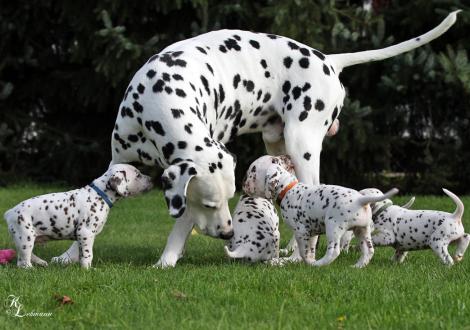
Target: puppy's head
203,191
263,175
126,180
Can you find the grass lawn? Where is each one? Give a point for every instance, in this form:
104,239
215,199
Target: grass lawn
206,290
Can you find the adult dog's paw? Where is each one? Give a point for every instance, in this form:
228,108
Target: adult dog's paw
166,261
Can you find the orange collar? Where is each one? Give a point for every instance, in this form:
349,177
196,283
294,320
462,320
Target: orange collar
284,191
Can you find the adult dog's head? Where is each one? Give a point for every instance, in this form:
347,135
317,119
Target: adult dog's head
201,192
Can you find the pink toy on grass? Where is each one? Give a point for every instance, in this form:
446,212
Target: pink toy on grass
6,256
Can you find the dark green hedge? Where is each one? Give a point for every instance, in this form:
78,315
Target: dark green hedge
64,66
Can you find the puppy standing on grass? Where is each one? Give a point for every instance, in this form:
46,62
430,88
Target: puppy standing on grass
347,237
77,214
407,230
311,211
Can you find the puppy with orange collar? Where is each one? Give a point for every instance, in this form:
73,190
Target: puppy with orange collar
315,210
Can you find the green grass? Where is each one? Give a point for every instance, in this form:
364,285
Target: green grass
206,290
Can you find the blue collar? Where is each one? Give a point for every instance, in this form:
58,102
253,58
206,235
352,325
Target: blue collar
102,194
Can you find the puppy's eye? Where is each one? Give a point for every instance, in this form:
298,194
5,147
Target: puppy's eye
209,206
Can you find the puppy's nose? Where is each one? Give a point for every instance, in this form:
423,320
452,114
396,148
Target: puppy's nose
227,235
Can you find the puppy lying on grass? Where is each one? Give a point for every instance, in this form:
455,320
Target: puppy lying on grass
78,214
256,231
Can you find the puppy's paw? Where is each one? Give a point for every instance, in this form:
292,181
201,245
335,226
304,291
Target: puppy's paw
42,263
360,264
63,260
279,262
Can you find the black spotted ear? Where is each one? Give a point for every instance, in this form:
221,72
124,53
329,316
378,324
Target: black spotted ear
271,181
175,180
286,162
118,183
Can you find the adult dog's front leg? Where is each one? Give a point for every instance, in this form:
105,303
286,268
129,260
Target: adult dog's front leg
304,149
176,242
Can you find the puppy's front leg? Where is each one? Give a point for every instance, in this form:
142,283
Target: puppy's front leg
175,243
439,246
85,242
462,245
303,247
69,256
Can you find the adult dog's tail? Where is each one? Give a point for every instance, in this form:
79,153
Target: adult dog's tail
347,59
458,213
367,199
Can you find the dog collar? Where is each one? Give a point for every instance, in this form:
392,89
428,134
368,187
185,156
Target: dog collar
284,191
102,194
382,209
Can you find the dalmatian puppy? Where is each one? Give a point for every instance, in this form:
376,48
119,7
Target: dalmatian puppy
347,237
186,102
407,230
256,231
256,224
78,214
314,210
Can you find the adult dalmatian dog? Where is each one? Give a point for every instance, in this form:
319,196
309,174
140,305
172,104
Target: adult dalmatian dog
186,102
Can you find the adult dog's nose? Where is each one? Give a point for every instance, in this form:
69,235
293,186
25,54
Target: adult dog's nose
227,235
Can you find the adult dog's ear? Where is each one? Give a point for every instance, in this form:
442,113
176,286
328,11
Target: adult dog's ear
175,180
118,183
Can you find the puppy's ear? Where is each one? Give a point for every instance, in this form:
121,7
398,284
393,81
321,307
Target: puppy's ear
271,181
118,183
286,162
175,180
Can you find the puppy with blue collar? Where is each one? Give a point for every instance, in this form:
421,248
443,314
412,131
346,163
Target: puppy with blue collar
77,215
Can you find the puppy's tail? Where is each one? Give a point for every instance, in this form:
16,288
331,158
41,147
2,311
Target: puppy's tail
235,254
409,203
460,207
347,59
367,199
